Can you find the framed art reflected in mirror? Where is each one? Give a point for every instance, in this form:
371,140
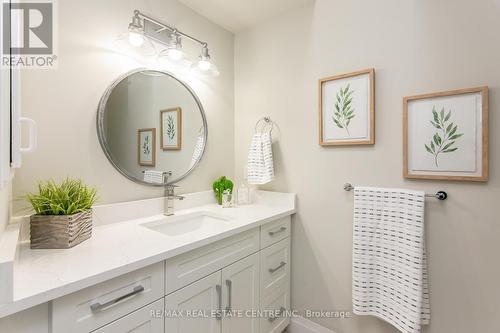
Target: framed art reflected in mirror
146,146
171,129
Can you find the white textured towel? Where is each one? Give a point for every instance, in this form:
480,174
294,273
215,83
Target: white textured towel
153,176
260,169
198,150
389,264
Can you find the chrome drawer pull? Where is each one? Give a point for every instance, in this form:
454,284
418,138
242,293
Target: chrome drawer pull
218,288
229,285
272,270
98,306
273,318
272,233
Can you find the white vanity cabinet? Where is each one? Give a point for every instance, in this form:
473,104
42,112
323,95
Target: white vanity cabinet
222,287
241,295
206,305
96,306
143,320
204,295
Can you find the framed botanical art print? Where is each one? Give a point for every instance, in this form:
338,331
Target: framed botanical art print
347,109
446,135
171,129
146,147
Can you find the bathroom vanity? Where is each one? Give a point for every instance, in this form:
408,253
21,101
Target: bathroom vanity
205,269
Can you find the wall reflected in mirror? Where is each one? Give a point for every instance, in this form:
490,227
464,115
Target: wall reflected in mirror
150,122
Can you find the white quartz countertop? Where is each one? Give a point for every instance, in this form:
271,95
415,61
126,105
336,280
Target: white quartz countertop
123,246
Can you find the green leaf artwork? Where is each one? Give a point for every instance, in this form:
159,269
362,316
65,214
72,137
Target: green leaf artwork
146,149
443,141
344,112
170,127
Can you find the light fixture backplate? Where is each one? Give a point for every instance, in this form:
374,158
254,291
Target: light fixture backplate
157,32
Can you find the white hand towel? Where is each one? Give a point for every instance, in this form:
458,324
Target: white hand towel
389,261
260,169
198,149
153,176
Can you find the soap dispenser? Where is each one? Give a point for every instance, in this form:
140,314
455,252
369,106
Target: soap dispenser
243,192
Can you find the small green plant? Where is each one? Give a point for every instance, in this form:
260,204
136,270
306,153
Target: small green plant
444,142
344,112
220,185
67,198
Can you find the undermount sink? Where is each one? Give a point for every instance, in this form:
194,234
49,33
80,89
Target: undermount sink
188,223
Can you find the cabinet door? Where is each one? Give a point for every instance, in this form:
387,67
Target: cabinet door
140,321
186,308
240,282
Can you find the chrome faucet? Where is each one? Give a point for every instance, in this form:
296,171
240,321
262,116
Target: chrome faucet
169,195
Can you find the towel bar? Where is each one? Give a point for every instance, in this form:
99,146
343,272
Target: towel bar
440,195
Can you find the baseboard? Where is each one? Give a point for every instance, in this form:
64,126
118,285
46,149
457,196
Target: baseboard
303,325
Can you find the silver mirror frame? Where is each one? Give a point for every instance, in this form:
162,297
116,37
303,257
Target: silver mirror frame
100,125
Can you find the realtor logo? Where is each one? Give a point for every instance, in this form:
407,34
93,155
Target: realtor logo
28,34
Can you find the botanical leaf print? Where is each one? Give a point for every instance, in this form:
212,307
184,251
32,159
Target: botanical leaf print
145,146
170,127
344,112
445,138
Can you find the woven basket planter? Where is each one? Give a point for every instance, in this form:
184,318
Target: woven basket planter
60,231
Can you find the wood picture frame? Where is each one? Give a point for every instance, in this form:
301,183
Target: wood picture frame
171,140
340,101
465,150
146,158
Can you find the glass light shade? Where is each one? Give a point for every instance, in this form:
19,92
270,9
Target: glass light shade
205,68
174,54
135,39
204,65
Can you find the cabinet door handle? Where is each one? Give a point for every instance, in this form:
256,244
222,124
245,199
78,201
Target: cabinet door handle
272,270
218,288
273,318
229,285
272,233
32,137
95,307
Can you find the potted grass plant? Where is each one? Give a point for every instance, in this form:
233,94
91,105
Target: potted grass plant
63,214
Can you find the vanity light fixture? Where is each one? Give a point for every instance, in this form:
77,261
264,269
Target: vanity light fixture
204,61
174,49
143,26
136,31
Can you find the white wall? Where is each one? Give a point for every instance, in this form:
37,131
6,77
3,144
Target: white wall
5,205
416,46
63,101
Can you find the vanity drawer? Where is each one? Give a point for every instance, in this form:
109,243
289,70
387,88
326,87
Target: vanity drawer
93,307
273,232
186,268
140,321
275,267
277,303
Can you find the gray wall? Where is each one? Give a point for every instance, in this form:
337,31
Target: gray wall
416,46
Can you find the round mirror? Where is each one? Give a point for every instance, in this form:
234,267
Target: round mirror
151,124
